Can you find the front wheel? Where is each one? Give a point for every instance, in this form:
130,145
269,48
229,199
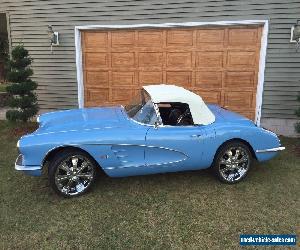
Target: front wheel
232,162
72,173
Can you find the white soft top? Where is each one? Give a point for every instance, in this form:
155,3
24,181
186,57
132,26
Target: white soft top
170,93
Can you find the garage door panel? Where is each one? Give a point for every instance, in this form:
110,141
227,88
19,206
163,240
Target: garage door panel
179,60
150,38
206,59
239,100
150,59
220,63
249,114
95,40
242,37
122,78
96,60
210,39
239,79
208,79
96,96
210,96
123,39
123,95
181,78
122,59
150,77
96,78
135,92
179,38
210,36
241,59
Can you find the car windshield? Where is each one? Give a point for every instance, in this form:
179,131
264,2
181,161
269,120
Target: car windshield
141,109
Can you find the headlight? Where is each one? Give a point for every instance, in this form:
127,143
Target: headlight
18,146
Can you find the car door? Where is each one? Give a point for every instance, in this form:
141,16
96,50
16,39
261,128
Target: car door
175,148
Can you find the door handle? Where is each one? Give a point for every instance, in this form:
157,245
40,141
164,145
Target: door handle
195,136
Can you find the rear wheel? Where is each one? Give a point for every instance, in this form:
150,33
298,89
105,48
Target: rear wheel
232,162
72,173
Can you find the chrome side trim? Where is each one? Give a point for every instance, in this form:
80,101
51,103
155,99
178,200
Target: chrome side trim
27,168
165,163
121,167
270,150
146,165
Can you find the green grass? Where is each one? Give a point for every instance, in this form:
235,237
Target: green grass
3,87
179,210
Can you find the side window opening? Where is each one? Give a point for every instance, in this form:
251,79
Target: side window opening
175,114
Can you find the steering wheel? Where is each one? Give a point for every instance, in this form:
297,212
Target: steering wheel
173,116
185,119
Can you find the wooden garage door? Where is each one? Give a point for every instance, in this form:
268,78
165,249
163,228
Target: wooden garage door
220,64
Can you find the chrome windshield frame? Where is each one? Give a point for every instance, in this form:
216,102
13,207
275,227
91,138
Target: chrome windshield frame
145,124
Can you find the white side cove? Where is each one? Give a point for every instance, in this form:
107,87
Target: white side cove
262,60
170,93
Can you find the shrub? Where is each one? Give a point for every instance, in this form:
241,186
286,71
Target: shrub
297,126
24,99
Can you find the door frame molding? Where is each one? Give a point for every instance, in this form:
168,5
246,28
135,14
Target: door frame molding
262,57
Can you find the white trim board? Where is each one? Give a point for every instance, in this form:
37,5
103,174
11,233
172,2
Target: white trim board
262,59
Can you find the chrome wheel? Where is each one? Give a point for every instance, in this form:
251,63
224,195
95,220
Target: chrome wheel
234,163
74,175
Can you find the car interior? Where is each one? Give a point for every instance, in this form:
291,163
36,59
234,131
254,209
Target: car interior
175,114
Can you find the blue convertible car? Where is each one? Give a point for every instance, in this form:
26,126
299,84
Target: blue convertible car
165,129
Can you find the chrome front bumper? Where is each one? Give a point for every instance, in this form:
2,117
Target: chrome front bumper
270,150
30,170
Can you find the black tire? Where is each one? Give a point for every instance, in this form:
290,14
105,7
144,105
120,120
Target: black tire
224,163
62,170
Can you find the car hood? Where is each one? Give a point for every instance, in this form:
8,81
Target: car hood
224,115
78,119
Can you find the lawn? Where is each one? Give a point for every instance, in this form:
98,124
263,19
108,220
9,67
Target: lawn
178,210
3,87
